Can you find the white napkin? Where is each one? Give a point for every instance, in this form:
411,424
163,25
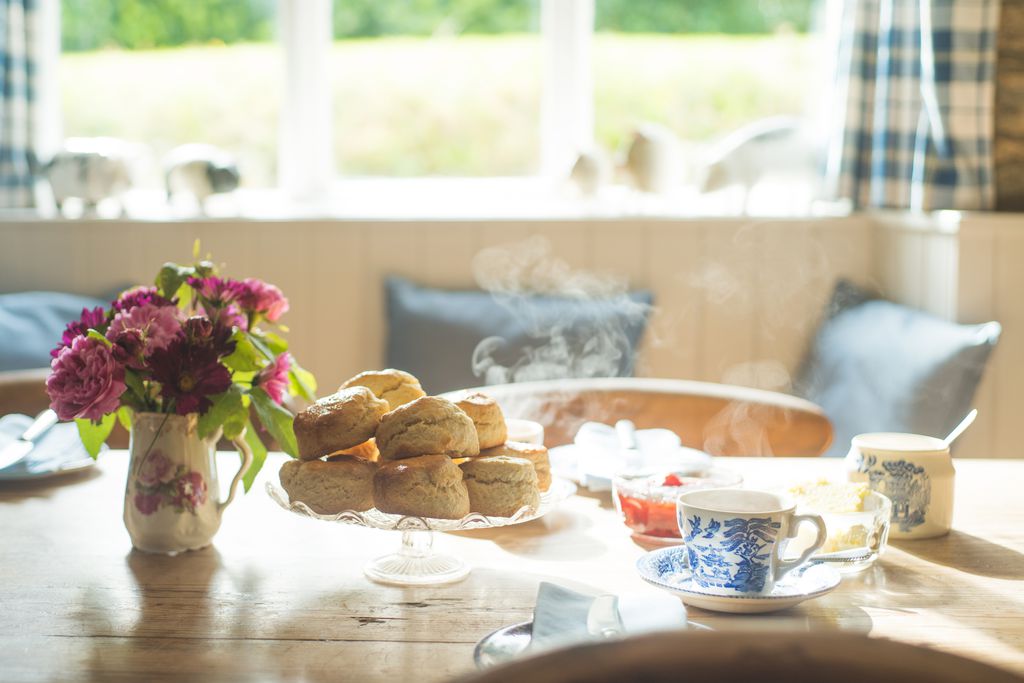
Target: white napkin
561,616
600,455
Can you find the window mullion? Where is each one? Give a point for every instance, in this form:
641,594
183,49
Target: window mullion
305,155
567,105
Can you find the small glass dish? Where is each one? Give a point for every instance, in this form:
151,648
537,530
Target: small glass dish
646,501
855,539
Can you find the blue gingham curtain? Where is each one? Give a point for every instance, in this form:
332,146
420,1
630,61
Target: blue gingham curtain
17,73
916,88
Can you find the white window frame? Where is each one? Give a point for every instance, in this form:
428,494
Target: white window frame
305,153
306,169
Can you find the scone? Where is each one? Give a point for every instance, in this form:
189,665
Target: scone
339,421
397,387
328,487
487,418
535,453
499,485
428,425
426,486
367,450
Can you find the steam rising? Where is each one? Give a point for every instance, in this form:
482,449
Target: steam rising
585,334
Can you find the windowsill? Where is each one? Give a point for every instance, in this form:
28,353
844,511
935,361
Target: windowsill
456,199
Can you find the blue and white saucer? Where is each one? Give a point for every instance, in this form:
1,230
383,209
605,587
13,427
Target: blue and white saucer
668,569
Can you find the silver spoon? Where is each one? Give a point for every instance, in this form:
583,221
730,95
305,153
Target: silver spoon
961,428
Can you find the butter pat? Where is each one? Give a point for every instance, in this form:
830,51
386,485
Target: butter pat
824,496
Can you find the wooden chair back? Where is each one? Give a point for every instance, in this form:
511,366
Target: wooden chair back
717,418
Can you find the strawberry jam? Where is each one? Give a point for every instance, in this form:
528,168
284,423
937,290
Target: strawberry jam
648,503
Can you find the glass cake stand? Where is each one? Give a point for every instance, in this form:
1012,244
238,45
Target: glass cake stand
416,563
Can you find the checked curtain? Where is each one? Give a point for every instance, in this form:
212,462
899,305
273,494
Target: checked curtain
17,73
915,96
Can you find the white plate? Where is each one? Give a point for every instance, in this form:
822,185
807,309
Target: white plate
505,644
667,569
13,474
565,463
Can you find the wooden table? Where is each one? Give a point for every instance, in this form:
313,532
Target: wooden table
280,597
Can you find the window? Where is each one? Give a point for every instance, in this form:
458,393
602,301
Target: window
446,89
306,91
703,69
165,74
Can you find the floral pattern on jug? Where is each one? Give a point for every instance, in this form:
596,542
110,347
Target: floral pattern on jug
161,483
739,560
906,484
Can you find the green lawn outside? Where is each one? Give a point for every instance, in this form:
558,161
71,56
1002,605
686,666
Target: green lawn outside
466,105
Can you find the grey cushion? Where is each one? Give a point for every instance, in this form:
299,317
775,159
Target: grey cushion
452,339
31,324
877,366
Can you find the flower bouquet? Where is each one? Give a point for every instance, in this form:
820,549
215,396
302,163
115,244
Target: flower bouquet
198,356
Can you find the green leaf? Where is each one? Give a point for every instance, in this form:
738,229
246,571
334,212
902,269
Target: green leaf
94,434
259,455
275,342
171,277
134,381
277,420
225,406
235,423
124,416
262,346
93,334
184,296
246,357
195,250
301,382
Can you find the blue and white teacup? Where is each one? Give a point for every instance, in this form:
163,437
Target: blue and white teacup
735,539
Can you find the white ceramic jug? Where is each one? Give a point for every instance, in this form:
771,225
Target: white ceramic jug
171,498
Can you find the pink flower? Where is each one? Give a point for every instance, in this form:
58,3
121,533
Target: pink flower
91,319
191,491
147,503
262,298
139,296
274,377
85,381
156,469
158,325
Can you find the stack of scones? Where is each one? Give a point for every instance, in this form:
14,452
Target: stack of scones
381,442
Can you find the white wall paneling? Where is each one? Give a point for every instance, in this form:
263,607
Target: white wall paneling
736,299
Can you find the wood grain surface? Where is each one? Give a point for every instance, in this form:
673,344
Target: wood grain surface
282,598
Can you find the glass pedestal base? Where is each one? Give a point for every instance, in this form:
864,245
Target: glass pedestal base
416,564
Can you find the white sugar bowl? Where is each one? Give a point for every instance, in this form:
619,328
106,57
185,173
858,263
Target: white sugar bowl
915,472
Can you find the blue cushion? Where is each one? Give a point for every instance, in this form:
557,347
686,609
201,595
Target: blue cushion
31,324
877,366
452,339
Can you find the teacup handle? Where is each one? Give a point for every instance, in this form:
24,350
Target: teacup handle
246,452
782,567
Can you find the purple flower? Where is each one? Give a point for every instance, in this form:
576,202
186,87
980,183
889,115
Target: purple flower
189,373
274,378
91,319
156,469
199,330
157,325
229,316
147,503
261,298
139,296
216,290
190,491
85,381
127,349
